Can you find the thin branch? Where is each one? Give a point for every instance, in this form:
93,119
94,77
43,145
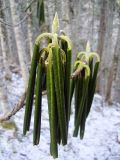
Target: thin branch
44,92
76,73
19,105
17,24
29,5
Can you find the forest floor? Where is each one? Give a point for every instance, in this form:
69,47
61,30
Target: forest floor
101,140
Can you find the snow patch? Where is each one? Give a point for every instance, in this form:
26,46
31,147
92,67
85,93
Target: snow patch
101,140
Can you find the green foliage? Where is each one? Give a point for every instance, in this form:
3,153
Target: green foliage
84,79
55,62
40,11
51,69
9,125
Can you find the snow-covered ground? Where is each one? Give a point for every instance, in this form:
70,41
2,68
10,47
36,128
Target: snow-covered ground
101,140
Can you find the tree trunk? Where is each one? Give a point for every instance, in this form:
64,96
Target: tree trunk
115,76
13,56
106,58
3,97
101,37
19,41
29,29
3,100
109,57
4,44
110,80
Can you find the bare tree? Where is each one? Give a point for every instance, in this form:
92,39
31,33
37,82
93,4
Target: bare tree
101,35
4,71
114,76
29,29
106,58
4,43
19,41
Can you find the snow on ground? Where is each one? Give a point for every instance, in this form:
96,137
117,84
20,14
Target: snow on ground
101,140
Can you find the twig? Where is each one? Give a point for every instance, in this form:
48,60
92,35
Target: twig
17,24
44,92
76,73
29,5
19,105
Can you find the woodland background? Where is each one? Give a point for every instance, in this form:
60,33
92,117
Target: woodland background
95,20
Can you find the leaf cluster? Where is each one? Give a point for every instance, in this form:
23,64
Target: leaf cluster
51,71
